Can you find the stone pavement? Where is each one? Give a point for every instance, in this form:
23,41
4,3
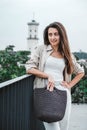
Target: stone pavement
78,120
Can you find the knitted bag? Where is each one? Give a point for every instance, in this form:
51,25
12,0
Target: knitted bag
49,106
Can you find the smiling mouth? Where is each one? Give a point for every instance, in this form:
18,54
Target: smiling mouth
53,41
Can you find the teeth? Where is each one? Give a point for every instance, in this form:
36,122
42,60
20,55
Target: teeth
54,41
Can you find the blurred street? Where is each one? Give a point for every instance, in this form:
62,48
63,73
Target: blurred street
78,120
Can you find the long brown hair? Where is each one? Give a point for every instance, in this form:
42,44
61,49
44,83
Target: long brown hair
63,48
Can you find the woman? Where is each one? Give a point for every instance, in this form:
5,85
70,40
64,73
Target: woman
53,64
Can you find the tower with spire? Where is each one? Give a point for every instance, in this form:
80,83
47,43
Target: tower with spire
32,39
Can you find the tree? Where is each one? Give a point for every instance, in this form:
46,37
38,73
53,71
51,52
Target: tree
79,91
9,59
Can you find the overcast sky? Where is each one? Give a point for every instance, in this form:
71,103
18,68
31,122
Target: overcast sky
15,14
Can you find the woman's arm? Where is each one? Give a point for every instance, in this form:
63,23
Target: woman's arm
79,73
44,75
75,80
32,68
37,73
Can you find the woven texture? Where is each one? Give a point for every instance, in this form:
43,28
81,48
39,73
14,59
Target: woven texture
49,106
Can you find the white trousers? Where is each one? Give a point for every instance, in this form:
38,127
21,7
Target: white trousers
64,123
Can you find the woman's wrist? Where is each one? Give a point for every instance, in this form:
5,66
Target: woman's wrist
70,85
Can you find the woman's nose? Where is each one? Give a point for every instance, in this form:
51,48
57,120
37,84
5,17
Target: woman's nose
53,36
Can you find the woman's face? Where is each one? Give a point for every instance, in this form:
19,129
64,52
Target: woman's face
53,36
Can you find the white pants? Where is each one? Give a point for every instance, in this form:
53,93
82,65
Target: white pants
64,123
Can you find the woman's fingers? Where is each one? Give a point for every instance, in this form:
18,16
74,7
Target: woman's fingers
65,84
50,86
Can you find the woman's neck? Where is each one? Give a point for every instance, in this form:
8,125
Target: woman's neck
55,48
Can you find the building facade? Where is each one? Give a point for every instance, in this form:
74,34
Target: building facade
32,39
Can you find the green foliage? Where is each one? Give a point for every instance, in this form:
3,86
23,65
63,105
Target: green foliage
80,94
9,60
79,91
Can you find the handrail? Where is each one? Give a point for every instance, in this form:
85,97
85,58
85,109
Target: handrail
6,83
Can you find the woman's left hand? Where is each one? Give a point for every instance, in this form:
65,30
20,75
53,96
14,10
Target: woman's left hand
65,84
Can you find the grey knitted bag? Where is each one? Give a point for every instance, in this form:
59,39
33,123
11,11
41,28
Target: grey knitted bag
49,106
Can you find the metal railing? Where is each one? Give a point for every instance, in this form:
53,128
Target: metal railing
16,105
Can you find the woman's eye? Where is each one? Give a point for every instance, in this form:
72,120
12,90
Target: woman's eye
50,34
53,34
56,34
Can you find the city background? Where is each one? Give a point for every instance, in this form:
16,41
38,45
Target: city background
21,30
15,14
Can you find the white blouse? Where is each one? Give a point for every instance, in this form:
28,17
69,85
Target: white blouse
55,66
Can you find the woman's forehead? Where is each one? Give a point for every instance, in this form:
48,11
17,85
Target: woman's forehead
51,29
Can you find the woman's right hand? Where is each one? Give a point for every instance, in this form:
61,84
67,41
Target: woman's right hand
51,84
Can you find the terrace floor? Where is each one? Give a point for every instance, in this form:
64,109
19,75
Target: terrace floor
78,120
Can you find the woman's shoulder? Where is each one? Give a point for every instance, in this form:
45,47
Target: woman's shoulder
77,67
40,47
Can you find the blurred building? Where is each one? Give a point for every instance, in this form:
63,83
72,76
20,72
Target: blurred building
32,39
